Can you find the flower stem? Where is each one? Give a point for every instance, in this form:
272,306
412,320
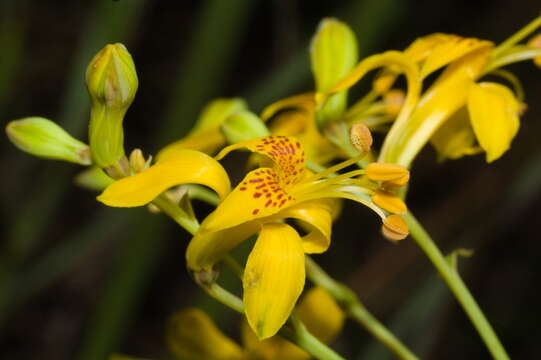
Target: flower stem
457,286
351,304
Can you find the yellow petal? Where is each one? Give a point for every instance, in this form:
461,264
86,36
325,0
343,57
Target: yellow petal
304,102
273,279
286,152
321,314
192,335
408,135
272,348
186,166
258,195
455,138
389,202
494,116
207,248
422,47
316,216
449,50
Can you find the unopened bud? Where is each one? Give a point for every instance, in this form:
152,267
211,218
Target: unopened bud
333,54
138,162
536,43
393,101
394,228
42,137
112,82
380,171
243,126
93,178
361,137
215,113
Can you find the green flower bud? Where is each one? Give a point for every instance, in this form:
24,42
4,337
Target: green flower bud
112,82
242,126
42,137
93,178
215,113
333,54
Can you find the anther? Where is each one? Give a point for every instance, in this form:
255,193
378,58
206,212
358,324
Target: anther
361,137
394,228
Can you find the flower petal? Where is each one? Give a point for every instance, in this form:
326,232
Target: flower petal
455,138
205,249
494,116
275,266
286,152
449,50
321,314
305,102
258,195
207,141
186,166
317,218
192,335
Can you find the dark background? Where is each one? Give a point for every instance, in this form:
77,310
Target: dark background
79,280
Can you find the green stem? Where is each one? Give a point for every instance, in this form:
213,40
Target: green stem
517,37
351,304
457,286
176,213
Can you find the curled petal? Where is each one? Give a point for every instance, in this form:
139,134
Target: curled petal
207,141
185,167
304,102
273,279
192,335
494,116
316,216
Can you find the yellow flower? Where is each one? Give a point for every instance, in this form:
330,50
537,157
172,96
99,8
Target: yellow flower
264,198
458,109
180,166
192,335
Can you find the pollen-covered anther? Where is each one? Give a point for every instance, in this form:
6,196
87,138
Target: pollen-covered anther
389,202
394,228
394,184
380,171
361,137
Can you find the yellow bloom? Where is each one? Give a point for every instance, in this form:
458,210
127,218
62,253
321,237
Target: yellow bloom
180,166
457,95
191,334
263,199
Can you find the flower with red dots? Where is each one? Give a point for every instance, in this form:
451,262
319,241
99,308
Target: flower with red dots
283,189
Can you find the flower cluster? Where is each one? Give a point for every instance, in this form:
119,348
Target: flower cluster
313,150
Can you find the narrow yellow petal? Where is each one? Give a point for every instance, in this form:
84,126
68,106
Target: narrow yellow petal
451,49
303,102
185,167
389,202
494,116
192,335
321,314
273,279
316,217
207,248
455,138
258,195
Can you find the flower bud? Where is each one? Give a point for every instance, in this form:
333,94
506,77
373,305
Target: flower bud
333,54
112,82
42,137
243,126
138,162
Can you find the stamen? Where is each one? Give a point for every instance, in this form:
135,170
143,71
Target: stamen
310,186
335,168
394,228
